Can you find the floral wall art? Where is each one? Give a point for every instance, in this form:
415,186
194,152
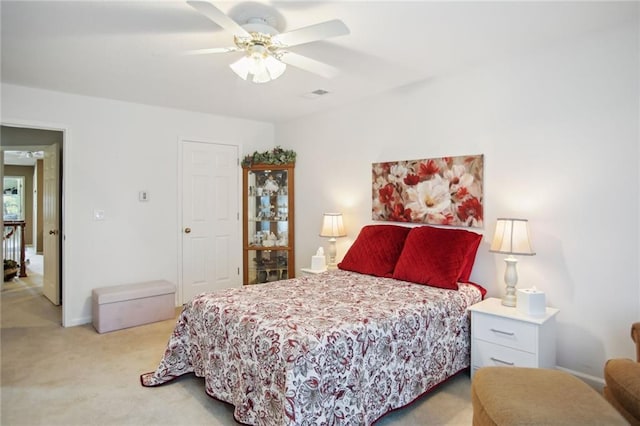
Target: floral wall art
437,191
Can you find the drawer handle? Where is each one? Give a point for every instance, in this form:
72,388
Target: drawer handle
507,333
501,361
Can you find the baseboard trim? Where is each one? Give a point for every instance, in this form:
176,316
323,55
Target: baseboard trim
79,321
595,382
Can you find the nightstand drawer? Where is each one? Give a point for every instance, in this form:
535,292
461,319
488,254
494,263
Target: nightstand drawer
489,354
502,331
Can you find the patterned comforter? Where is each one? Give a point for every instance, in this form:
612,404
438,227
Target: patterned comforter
334,348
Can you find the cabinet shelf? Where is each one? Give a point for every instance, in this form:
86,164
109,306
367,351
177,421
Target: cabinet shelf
268,217
274,268
266,248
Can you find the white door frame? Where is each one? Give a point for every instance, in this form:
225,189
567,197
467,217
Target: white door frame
179,236
65,201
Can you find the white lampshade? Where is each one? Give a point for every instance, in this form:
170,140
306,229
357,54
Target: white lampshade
332,225
241,67
275,67
512,237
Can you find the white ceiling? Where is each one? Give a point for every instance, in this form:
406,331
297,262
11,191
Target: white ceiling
131,50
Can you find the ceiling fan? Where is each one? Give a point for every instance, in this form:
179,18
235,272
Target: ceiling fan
266,53
37,155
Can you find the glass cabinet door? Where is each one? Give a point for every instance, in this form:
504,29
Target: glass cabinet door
268,265
268,225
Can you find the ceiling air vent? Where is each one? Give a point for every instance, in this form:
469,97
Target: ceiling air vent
315,94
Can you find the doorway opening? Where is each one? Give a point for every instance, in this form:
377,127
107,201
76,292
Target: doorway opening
28,154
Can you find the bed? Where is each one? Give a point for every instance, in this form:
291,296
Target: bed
342,347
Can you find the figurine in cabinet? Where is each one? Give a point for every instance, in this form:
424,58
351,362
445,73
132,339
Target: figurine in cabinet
271,185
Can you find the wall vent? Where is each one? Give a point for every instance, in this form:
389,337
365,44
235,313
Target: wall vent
315,94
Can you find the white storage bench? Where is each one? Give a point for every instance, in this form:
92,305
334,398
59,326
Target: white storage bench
128,305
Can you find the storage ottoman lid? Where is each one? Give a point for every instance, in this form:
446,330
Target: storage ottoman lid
118,293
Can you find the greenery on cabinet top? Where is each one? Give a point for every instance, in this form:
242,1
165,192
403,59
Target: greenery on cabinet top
277,156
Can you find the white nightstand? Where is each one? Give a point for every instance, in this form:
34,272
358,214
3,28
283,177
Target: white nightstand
503,336
307,271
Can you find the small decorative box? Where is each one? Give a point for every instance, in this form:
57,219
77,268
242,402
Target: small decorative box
530,301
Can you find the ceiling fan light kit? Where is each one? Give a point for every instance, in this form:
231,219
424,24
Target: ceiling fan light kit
265,56
262,66
260,59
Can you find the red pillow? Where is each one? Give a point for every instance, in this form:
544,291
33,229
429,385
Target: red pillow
376,250
437,257
471,259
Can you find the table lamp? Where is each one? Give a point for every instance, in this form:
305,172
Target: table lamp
511,238
332,227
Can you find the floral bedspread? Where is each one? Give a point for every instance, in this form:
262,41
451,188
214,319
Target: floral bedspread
337,348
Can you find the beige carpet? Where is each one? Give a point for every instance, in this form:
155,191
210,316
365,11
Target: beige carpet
74,376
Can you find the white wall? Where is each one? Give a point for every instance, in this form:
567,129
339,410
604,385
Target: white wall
112,150
559,131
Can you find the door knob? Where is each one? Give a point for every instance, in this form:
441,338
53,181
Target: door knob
187,230
53,232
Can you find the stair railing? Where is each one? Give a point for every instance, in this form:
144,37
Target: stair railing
14,245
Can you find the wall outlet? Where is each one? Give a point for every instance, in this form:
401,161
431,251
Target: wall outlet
143,195
98,214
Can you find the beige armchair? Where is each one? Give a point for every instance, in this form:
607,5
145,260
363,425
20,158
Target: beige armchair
622,378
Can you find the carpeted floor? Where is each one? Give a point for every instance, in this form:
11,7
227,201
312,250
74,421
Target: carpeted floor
74,376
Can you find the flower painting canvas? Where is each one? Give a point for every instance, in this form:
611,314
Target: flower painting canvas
436,191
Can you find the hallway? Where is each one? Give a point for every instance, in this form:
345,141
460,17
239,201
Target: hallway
23,304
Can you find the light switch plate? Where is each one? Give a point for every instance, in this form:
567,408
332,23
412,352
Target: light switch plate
98,214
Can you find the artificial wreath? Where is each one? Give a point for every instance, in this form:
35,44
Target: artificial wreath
276,156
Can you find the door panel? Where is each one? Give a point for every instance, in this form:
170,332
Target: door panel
51,225
222,245
210,225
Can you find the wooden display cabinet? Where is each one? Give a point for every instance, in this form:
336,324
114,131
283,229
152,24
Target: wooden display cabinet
267,223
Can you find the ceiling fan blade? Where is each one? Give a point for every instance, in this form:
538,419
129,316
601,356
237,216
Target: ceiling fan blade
211,50
308,64
217,16
311,33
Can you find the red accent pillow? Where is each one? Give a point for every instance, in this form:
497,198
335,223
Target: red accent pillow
376,250
471,259
437,257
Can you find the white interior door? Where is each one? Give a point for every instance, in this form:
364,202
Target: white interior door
51,225
211,254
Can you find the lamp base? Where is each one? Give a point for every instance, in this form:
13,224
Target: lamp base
510,279
509,300
332,264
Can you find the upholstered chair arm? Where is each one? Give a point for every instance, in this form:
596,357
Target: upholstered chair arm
635,335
